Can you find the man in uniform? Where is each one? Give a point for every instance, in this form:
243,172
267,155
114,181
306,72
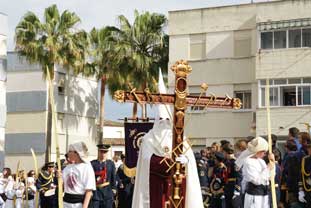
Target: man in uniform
105,176
125,187
305,182
203,178
219,177
234,177
46,185
290,174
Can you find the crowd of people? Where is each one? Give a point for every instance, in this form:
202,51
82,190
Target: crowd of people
231,175
95,184
238,175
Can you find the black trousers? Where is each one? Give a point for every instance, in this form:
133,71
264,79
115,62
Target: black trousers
308,199
48,202
101,204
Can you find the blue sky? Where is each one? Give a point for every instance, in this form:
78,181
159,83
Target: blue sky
99,13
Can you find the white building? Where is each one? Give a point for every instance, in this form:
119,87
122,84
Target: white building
28,123
235,49
113,134
3,63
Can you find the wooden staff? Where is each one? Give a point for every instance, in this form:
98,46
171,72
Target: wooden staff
36,175
274,204
17,170
55,136
16,179
26,189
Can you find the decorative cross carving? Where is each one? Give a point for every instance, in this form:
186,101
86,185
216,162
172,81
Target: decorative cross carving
180,100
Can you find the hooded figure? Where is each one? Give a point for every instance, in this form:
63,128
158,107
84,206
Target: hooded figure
151,176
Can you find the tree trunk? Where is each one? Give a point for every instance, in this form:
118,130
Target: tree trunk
144,106
134,110
102,108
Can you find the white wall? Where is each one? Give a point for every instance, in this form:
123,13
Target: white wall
26,81
283,63
283,118
112,132
3,54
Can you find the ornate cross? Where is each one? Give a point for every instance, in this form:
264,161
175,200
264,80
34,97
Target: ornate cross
181,100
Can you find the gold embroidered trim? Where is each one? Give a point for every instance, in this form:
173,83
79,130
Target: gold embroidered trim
129,172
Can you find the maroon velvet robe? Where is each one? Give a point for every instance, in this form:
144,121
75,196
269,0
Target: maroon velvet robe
160,183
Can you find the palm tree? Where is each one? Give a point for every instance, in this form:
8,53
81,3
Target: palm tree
55,40
103,62
144,47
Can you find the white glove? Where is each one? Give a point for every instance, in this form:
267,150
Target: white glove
222,197
235,194
182,159
301,197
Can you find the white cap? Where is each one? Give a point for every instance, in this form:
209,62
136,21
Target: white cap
80,148
258,144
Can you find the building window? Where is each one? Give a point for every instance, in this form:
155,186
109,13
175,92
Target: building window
306,37
246,98
279,39
61,83
266,40
294,38
197,46
274,96
60,120
297,38
304,95
287,92
288,95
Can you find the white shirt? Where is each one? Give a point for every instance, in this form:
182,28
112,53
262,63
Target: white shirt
256,171
78,178
117,164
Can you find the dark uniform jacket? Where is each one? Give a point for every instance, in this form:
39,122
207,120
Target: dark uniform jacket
125,189
291,171
105,176
43,184
305,182
232,181
202,172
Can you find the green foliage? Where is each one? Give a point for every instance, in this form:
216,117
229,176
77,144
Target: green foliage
144,47
55,40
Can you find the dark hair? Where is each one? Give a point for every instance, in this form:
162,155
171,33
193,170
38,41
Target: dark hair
293,131
197,156
277,155
31,173
274,138
224,142
9,172
291,145
228,148
122,156
249,138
